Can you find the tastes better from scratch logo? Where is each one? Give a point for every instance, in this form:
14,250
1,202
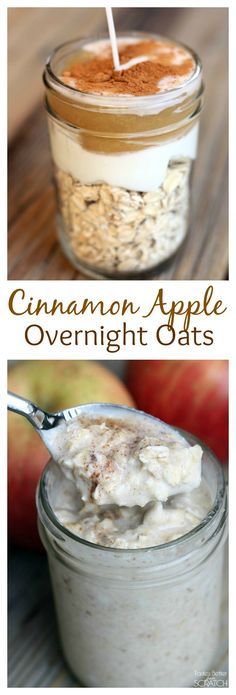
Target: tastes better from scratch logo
210,679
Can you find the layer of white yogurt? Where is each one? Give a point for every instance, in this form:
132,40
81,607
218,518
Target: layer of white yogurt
143,170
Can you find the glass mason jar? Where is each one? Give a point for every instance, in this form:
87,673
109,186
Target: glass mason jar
145,617
122,169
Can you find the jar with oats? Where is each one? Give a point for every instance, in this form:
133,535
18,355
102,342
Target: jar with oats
123,145
139,613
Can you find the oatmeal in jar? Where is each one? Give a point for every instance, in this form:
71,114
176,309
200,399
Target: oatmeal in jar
133,519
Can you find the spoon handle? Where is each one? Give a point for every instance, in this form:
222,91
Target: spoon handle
39,418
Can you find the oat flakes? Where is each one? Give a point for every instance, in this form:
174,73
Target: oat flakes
114,230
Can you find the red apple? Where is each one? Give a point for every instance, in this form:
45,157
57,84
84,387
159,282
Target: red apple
190,394
53,385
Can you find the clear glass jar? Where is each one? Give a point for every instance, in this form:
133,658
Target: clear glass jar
137,618
122,170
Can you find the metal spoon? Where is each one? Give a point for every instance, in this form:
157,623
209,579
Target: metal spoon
46,424
42,421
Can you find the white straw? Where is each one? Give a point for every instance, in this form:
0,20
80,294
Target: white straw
134,61
112,32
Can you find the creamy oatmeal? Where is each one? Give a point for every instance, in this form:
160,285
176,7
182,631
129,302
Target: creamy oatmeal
135,488
112,564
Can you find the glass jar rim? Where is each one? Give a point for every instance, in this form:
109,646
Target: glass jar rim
124,101
207,523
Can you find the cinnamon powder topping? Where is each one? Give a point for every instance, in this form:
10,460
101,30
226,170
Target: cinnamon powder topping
166,66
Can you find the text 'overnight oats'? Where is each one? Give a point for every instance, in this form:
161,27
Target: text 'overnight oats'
132,516
134,488
123,144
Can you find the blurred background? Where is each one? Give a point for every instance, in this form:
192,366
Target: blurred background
191,394
33,33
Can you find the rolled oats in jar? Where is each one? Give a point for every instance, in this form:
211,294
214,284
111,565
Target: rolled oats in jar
123,146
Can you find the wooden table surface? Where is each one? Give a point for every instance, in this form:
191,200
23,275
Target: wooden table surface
34,252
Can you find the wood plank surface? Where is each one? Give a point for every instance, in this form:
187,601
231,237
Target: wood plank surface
34,252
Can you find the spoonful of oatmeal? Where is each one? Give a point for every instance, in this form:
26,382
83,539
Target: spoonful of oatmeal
113,459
